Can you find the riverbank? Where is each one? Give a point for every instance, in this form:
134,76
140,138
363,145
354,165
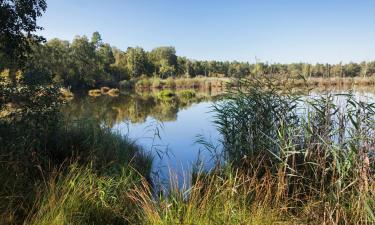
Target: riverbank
218,85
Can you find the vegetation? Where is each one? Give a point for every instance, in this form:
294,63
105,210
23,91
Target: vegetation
285,159
279,166
133,107
91,63
18,22
38,145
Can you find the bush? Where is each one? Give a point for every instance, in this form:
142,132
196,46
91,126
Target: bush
187,94
143,83
169,83
95,92
126,84
166,95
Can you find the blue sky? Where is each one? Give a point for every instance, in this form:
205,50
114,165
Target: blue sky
269,30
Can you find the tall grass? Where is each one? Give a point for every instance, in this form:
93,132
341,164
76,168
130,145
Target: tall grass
287,160
222,197
30,171
317,156
81,196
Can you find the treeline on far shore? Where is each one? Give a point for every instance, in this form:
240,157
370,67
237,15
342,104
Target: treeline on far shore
89,63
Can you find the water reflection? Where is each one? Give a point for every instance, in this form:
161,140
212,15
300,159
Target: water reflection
132,107
166,126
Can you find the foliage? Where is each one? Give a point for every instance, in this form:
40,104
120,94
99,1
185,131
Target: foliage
87,64
187,94
81,196
251,117
317,157
166,95
17,27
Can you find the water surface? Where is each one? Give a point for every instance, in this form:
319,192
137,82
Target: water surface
168,128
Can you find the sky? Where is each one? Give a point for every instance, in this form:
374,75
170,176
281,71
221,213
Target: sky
284,31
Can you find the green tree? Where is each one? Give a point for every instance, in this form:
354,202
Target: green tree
137,62
96,39
84,63
164,61
17,27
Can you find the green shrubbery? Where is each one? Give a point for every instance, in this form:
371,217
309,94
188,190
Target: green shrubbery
186,94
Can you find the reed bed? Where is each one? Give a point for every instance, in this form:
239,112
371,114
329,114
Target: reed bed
287,160
203,83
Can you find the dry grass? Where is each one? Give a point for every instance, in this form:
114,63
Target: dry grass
95,92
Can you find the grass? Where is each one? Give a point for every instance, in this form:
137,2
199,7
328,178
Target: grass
37,146
201,83
114,92
285,160
217,198
318,163
281,166
83,197
95,92
331,81
186,94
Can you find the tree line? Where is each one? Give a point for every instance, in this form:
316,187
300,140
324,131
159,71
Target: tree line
89,62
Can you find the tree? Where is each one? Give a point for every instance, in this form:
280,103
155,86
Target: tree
17,27
96,39
119,67
106,57
84,63
164,60
137,62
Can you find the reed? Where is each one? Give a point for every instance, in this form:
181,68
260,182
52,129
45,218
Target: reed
287,160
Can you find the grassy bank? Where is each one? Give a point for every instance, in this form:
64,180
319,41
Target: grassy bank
335,81
220,84
68,175
206,83
51,167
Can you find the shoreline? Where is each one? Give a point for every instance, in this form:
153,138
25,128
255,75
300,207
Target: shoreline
216,85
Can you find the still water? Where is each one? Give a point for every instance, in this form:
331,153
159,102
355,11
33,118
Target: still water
167,128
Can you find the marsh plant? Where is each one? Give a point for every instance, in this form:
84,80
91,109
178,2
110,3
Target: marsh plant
287,160
316,154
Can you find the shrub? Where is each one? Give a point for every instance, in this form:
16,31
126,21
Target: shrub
156,83
186,94
114,92
169,83
95,92
104,90
166,95
126,84
143,83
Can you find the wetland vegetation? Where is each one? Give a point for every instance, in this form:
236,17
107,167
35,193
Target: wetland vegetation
280,155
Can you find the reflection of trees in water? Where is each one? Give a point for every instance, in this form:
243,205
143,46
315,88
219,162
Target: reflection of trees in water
133,107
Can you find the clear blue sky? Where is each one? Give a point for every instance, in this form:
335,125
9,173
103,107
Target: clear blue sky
271,30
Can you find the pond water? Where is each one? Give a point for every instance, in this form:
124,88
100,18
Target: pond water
168,128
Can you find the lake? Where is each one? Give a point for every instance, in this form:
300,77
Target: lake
168,128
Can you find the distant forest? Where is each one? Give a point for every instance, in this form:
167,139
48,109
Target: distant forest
86,63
